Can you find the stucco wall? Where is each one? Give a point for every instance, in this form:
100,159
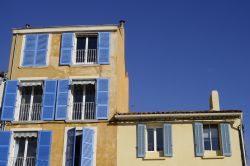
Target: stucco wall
183,148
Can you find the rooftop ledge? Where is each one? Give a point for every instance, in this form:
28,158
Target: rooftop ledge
71,28
179,115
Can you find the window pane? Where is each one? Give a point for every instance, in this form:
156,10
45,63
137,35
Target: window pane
92,43
26,94
159,135
32,146
215,137
19,147
38,92
81,41
150,139
90,93
206,136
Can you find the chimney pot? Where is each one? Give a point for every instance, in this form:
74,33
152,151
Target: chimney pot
122,22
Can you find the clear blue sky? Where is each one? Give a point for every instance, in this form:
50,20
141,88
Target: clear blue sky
176,51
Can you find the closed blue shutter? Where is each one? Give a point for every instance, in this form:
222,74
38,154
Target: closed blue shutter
103,47
102,107
29,50
42,49
9,101
70,152
225,139
198,138
167,139
49,99
44,148
62,99
5,137
66,48
87,147
141,140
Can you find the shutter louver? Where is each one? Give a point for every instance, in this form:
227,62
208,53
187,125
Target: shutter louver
198,138
70,152
29,50
49,99
167,139
102,100
225,139
43,148
87,154
104,47
67,48
141,140
62,100
9,101
42,49
5,137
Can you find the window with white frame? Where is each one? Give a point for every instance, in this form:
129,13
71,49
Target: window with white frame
154,138
25,149
83,99
30,101
86,49
211,137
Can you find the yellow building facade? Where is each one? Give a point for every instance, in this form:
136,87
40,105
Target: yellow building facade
66,103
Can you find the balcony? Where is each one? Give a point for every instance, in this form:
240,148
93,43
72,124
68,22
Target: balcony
83,111
86,56
23,161
30,112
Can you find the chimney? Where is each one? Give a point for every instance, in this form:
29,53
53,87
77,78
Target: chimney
122,22
214,101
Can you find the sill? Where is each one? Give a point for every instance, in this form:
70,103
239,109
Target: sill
213,157
82,121
28,122
85,65
36,67
154,158
154,155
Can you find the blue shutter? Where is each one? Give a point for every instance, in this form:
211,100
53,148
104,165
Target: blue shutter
29,50
103,47
225,139
5,137
44,148
70,151
167,139
42,49
102,107
9,101
198,138
87,154
62,99
141,140
66,48
49,99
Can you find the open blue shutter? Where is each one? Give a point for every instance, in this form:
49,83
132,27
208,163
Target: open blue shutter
141,140
70,151
62,99
87,147
66,48
103,47
9,101
49,99
42,49
225,139
29,50
167,139
43,148
198,138
5,137
102,107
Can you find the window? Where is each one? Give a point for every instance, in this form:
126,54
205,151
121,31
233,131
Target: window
211,137
154,139
31,101
80,147
86,49
25,147
35,50
83,95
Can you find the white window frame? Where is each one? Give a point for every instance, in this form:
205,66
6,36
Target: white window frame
19,100
86,49
47,55
155,138
79,129
210,138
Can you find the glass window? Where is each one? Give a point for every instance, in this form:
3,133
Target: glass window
211,137
150,139
154,139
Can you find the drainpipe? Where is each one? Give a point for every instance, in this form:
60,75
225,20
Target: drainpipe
242,146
